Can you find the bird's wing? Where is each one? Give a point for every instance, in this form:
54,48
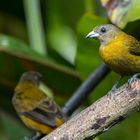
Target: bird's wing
134,46
46,113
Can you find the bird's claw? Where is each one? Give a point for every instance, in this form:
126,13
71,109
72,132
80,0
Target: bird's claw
133,78
114,88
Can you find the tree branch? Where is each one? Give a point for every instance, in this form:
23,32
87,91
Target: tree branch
101,115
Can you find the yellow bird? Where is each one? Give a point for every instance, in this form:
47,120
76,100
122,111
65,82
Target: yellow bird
36,109
119,51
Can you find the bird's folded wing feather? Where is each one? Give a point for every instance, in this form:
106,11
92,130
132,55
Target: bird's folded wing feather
46,113
134,47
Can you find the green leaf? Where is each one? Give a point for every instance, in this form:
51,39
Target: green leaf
19,49
35,27
63,41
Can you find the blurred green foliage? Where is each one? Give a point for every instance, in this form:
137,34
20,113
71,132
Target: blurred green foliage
69,58
122,12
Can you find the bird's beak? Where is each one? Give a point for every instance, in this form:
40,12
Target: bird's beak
92,34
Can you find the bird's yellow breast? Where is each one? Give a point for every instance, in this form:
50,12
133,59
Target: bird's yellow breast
117,56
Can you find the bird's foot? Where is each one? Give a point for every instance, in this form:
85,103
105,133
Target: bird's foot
114,88
133,78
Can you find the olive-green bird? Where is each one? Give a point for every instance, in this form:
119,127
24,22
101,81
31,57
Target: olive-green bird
36,109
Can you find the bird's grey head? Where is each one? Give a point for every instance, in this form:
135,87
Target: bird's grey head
31,76
105,33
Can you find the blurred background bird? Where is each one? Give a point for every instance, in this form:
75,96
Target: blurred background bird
119,51
38,111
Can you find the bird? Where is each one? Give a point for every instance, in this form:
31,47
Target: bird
37,111
119,50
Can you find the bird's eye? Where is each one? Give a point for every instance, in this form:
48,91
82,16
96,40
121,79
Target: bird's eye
103,29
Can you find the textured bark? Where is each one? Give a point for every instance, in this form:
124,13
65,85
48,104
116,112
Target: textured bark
101,115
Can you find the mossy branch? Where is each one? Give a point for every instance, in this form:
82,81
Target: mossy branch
101,115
